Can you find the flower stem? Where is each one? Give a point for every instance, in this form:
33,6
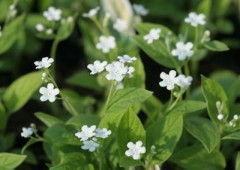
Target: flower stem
110,94
53,55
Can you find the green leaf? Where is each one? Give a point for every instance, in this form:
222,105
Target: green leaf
3,117
188,106
9,34
84,79
80,120
213,92
197,158
130,129
9,161
62,135
120,102
20,91
203,130
233,136
65,30
164,135
157,50
47,119
216,46
237,166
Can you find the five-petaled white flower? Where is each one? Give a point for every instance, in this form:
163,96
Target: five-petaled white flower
168,80
126,59
49,93
183,81
195,19
106,43
103,133
120,25
91,13
90,145
140,9
116,71
27,132
87,132
40,27
45,63
183,50
220,116
135,150
52,14
154,34
97,66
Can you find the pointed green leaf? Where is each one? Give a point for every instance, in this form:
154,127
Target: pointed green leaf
216,46
47,119
164,135
9,161
233,136
203,130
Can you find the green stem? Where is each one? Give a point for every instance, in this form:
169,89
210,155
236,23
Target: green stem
196,40
53,55
109,96
177,99
99,26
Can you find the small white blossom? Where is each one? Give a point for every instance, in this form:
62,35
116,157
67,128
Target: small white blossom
231,123
49,31
49,93
183,50
126,59
103,133
27,132
106,43
168,80
90,145
154,34
235,117
52,14
220,116
45,63
120,25
97,67
91,13
44,77
195,19
40,27
140,9
87,132
69,19
135,150
130,71
12,7
183,81
116,71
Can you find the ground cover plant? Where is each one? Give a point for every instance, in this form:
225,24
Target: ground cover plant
107,85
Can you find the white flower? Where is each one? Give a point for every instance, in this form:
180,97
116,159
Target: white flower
154,34
97,67
90,145
49,93
168,80
183,81
106,43
52,14
195,19
103,133
49,31
26,132
45,63
39,27
126,59
135,150
183,50
87,132
120,25
116,71
130,71
140,9
235,117
220,116
91,13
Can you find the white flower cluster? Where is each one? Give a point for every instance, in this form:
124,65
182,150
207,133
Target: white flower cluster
154,34
170,80
90,136
135,150
48,93
28,132
195,19
116,70
183,51
52,14
140,9
106,43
